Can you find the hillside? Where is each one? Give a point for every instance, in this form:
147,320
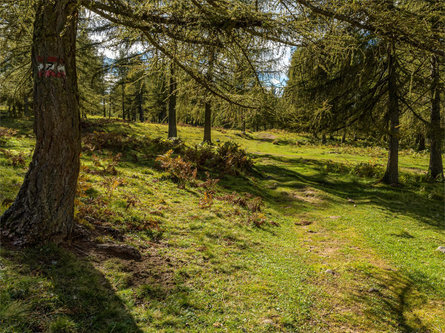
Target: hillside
307,240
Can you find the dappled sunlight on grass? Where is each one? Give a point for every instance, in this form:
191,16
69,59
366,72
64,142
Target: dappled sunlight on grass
308,240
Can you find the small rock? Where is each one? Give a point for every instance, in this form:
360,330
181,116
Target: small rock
267,322
373,290
441,249
272,186
350,200
217,140
329,271
54,262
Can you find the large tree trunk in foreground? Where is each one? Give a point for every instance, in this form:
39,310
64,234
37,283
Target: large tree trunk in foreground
44,208
392,168
172,130
435,170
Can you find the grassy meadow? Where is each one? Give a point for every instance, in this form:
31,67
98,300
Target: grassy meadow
307,241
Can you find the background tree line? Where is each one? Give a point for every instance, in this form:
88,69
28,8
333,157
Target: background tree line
359,69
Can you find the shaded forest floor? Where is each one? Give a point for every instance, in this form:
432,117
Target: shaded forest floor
326,248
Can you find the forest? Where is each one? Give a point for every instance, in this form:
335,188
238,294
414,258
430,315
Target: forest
222,166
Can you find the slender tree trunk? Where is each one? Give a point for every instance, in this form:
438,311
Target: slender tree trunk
172,130
123,101
43,210
141,101
207,104
435,169
392,168
207,122
26,106
343,138
110,107
420,142
104,106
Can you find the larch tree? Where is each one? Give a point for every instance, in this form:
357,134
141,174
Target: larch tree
44,207
43,210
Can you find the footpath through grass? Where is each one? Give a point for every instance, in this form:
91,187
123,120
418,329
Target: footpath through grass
331,250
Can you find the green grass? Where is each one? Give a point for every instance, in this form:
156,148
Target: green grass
343,253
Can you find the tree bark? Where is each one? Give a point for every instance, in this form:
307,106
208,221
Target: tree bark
140,102
323,139
207,122
43,210
26,106
123,101
391,175
435,169
207,104
172,130
420,142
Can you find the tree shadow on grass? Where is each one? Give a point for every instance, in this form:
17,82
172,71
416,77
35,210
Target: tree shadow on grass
62,293
400,200
392,301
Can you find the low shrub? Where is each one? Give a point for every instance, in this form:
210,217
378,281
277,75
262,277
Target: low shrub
108,168
254,204
6,133
16,159
233,158
181,171
367,169
227,158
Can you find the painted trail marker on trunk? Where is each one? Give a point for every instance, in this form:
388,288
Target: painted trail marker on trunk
52,67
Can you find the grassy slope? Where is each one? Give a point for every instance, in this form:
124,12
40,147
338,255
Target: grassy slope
209,269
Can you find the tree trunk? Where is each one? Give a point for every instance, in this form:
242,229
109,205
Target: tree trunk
435,169
343,138
26,106
104,106
207,122
172,130
420,142
141,100
44,208
323,139
123,101
207,104
391,175
110,107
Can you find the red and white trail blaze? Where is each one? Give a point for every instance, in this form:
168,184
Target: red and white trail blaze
52,67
